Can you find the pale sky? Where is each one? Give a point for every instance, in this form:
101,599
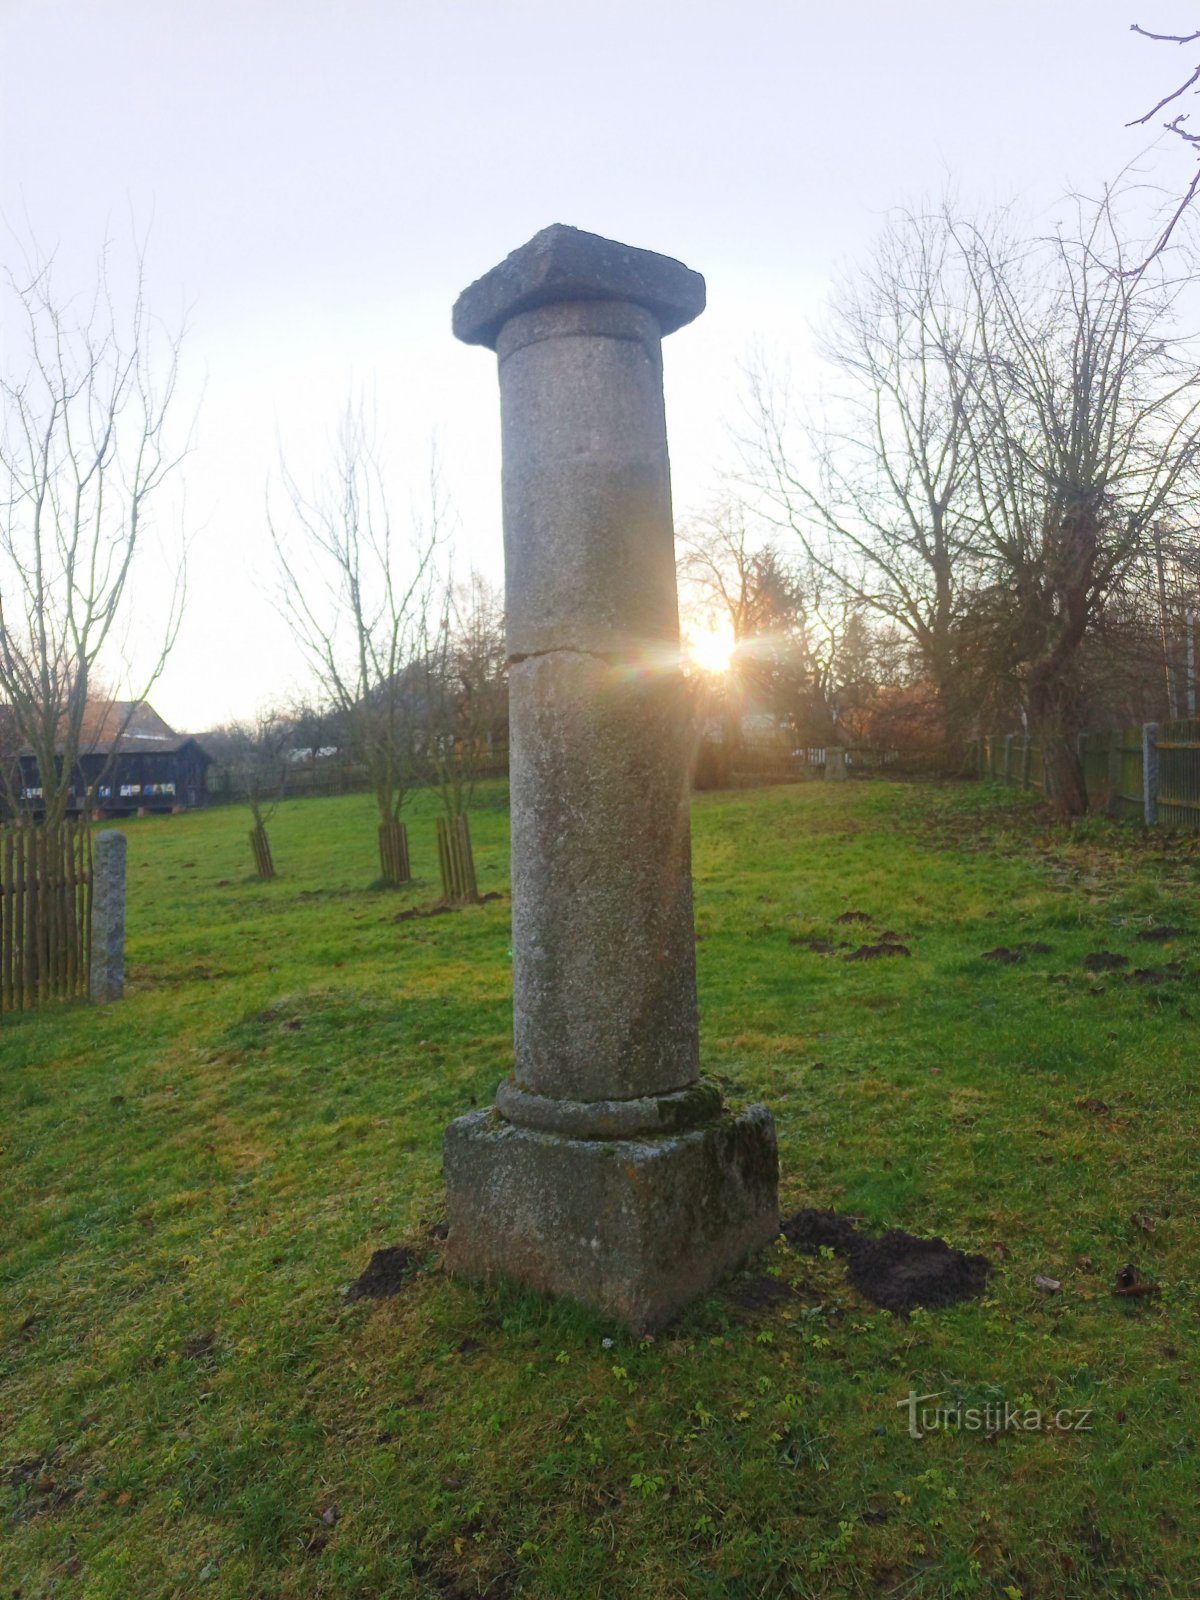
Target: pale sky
320,180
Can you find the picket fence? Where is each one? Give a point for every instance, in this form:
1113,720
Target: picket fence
45,914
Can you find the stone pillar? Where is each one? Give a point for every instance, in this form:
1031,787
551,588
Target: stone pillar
608,1169
835,763
107,976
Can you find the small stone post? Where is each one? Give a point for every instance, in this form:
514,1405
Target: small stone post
608,1169
1026,762
1009,741
835,763
1150,773
107,977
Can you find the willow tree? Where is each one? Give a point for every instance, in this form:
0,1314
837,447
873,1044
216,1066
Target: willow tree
358,597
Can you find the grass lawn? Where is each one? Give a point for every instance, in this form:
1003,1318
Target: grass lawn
189,1405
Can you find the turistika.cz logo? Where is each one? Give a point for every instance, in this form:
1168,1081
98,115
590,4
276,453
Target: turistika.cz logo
995,1416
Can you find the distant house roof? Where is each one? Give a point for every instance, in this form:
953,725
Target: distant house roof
132,719
126,727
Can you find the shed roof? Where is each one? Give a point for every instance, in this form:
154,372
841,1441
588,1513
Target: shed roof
126,727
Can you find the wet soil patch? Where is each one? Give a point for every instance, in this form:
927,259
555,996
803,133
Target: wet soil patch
1105,961
897,1271
387,1272
755,1294
1161,935
874,952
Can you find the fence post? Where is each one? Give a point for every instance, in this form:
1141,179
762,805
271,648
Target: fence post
1150,773
1009,740
1115,741
1026,760
108,916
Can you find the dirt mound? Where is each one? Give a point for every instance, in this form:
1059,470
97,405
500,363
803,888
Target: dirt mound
853,916
387,1272
811,1230
820,947
1105,961
873,952
1161,935
897,1271
1003,955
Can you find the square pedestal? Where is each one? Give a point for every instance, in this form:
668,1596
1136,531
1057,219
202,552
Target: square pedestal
637,1228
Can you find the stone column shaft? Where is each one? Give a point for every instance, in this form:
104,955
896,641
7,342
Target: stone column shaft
604,985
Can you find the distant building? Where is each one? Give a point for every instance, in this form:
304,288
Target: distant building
129,760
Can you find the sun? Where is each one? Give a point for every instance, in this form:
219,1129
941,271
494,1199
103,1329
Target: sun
711,646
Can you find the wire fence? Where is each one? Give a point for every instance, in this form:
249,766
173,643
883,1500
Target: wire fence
1149,772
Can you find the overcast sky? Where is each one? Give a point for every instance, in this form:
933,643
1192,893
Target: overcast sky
320,179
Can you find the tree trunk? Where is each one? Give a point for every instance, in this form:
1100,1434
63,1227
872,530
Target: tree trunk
1053,723
393,854
261,846
457,861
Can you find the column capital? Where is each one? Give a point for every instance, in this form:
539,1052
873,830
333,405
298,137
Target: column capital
561,264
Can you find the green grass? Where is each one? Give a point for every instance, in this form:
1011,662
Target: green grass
189,1178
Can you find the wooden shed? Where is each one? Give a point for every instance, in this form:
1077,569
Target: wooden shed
130,762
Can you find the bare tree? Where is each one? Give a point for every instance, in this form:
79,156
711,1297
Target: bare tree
1175,126
1084,431
84,449
358,601
464,690
879,488
1027,419
256,761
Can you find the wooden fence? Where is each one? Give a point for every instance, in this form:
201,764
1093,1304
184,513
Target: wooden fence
45,914
1149,772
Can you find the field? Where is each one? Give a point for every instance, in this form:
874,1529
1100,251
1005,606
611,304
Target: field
190,1405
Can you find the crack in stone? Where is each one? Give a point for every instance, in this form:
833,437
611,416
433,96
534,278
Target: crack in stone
609,659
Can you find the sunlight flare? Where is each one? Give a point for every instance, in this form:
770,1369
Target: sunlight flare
711,647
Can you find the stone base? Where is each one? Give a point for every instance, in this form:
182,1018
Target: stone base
637,1228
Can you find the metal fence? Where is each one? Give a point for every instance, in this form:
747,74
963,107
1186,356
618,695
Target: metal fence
1149,772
